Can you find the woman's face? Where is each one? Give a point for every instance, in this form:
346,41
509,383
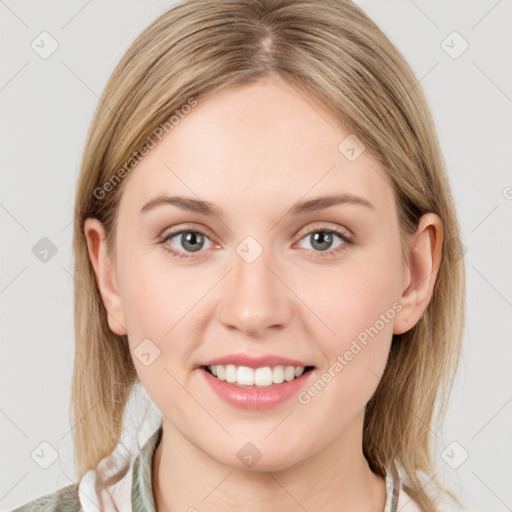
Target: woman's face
255,276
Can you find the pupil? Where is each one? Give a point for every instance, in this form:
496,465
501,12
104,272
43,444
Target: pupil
322,238
191,239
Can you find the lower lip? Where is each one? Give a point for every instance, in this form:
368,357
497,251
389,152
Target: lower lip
254,397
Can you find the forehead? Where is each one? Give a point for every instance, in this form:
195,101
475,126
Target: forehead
259,145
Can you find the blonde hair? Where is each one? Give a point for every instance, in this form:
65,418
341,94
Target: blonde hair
333,51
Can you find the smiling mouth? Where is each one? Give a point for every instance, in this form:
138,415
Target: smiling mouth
245,376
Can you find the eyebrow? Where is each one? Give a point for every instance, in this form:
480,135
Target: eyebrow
210,209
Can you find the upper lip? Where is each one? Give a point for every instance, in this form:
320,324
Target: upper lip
255,362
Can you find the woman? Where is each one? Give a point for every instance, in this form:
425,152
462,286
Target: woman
261,241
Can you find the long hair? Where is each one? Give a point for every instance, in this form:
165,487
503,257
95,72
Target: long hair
331,50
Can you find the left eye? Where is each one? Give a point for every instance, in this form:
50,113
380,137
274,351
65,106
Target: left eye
321,240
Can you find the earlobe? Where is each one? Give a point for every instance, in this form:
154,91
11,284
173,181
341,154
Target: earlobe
421,272
105,275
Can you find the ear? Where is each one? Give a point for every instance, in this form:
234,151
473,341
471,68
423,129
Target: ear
105,275
420,272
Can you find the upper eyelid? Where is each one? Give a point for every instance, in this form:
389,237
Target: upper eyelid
324,227
186,229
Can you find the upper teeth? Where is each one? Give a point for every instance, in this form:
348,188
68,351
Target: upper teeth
246,376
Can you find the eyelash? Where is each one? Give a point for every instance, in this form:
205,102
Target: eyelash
348,240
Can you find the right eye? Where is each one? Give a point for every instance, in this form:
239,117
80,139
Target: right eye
188,239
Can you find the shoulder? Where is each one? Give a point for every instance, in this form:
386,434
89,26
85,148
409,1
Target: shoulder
63,500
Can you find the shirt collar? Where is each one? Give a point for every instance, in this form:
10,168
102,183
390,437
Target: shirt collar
142,489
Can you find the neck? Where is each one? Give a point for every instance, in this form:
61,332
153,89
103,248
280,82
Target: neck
336,479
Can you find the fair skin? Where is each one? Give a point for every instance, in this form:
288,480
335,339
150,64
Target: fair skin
255,151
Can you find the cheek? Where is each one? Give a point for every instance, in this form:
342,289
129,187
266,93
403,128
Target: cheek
146,302
157,313
155,308
164,310
354,296
359,305
153,296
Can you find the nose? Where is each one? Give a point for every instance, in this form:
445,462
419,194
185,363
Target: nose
255,299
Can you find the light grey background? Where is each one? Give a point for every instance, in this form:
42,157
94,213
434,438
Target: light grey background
47,105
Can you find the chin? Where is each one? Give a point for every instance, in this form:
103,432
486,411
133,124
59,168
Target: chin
255,457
